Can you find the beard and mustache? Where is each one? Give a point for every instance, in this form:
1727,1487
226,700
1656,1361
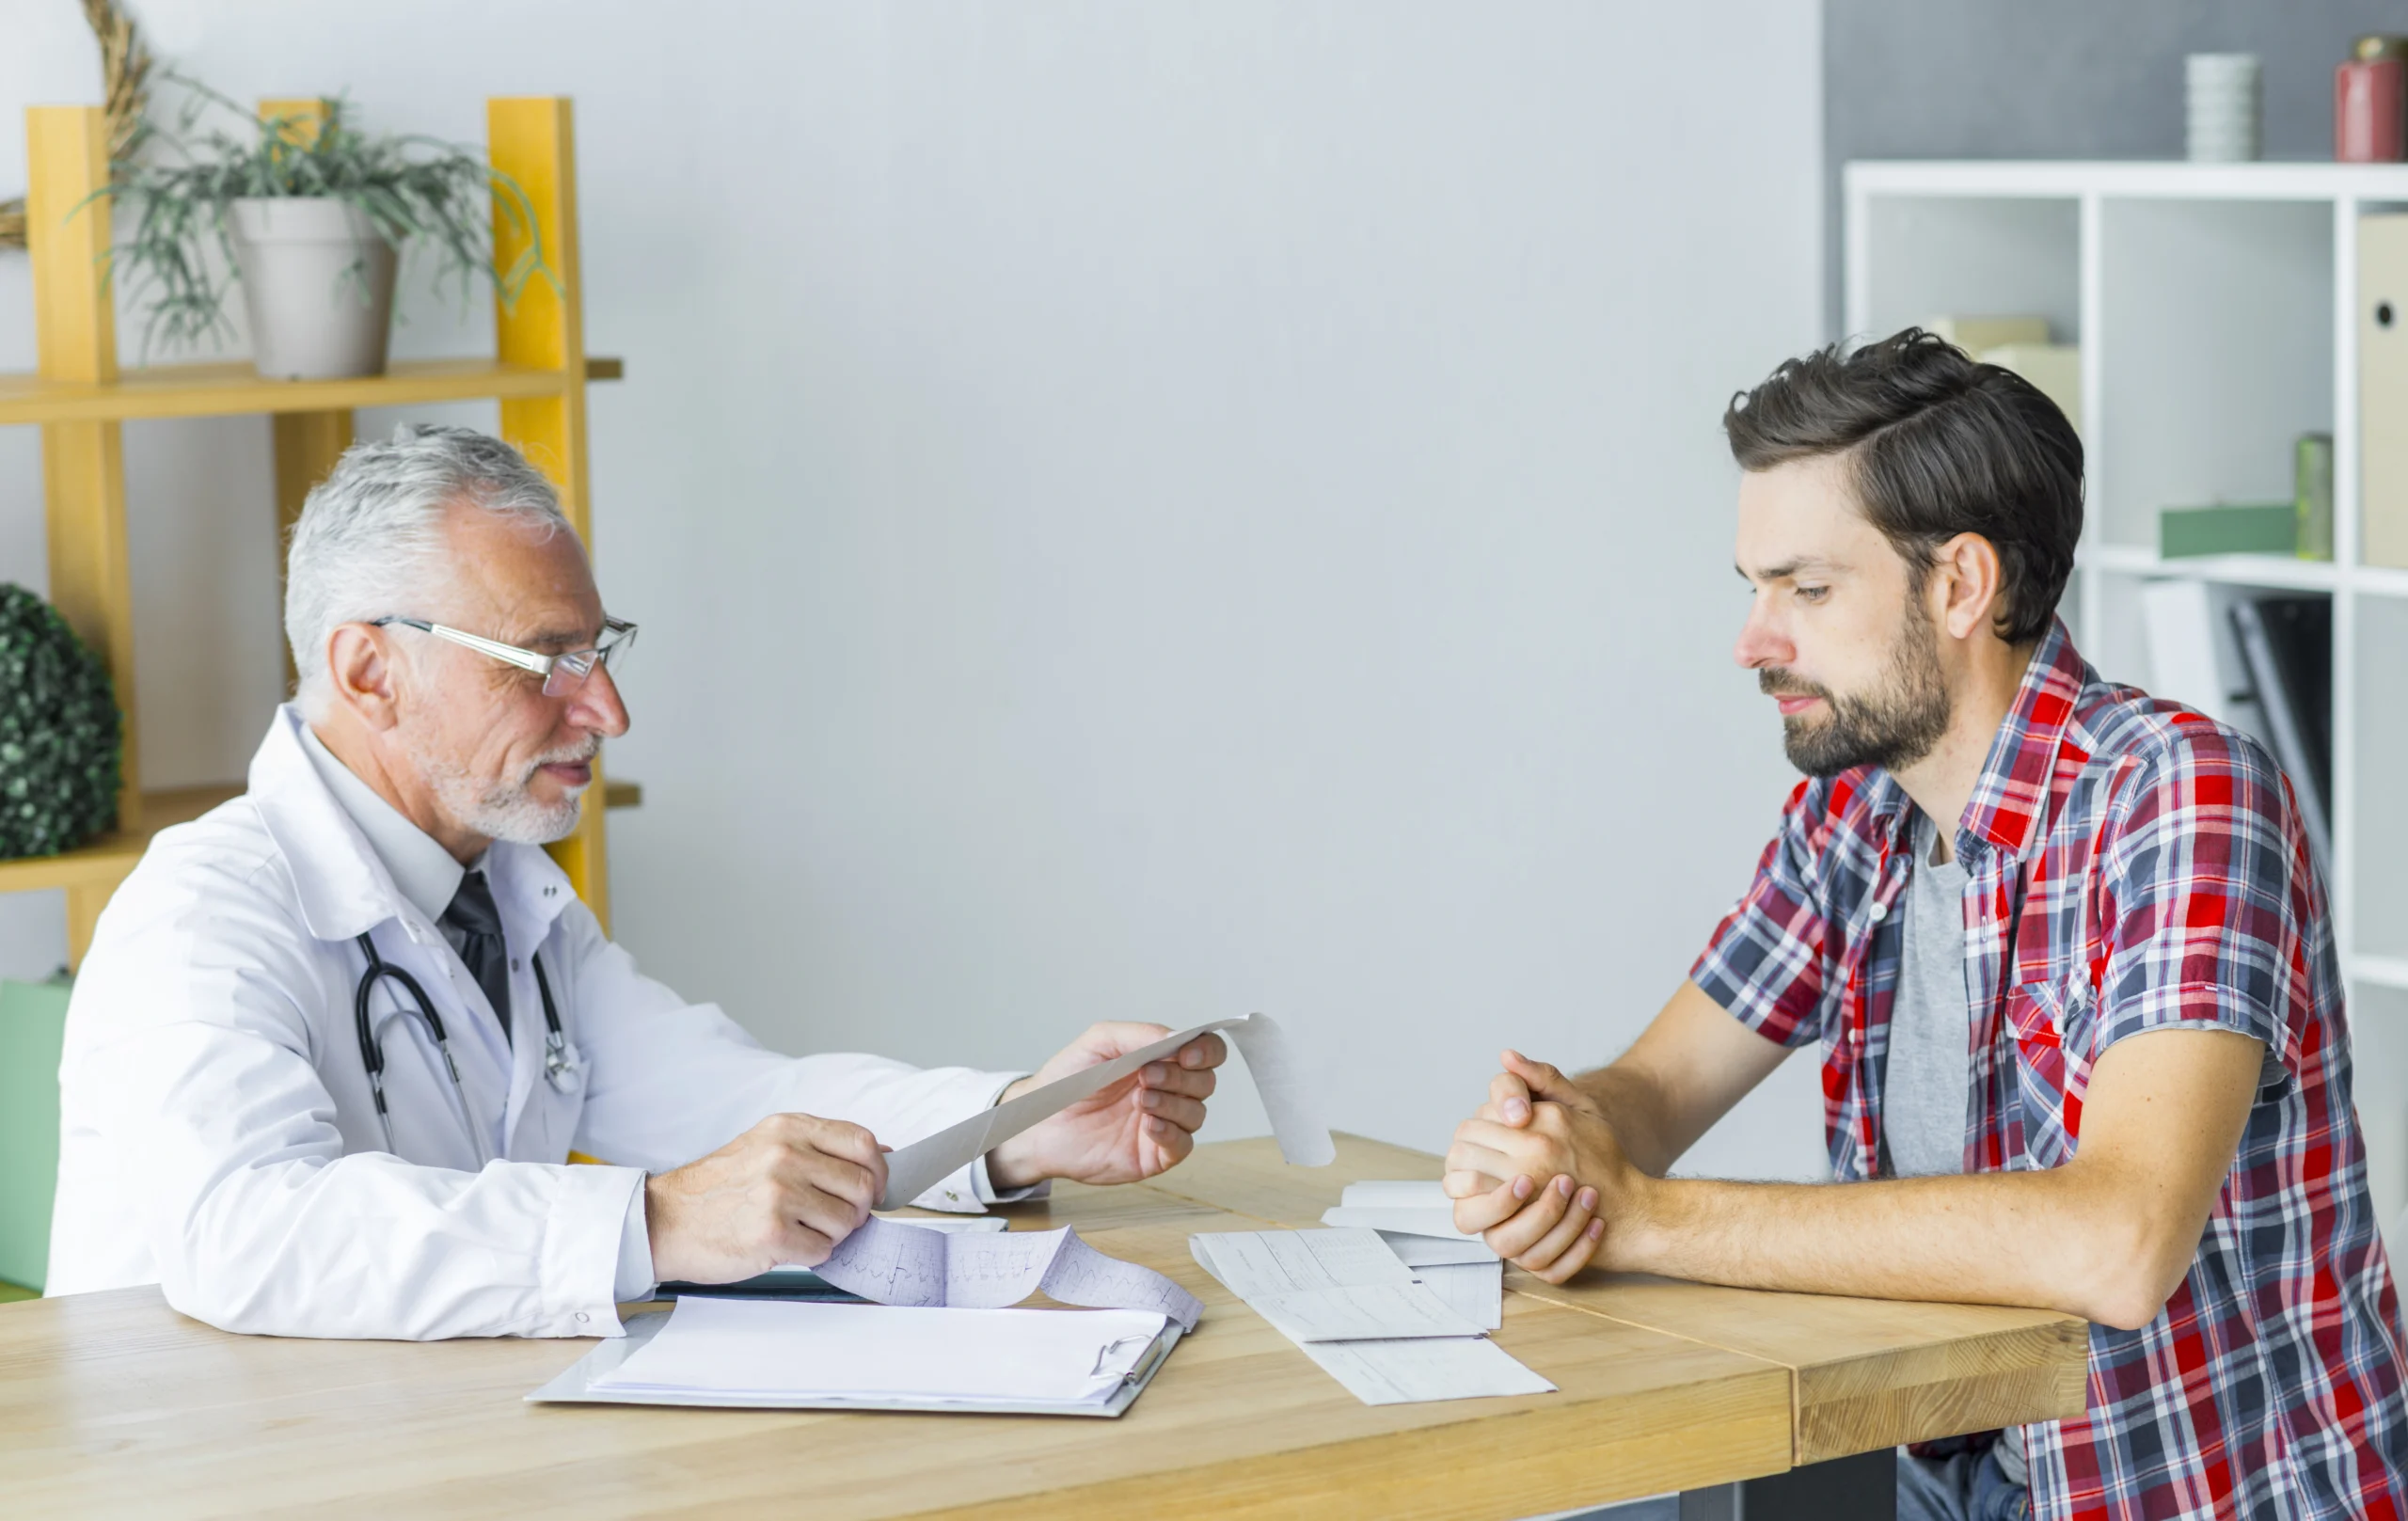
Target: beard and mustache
1892,725
506,810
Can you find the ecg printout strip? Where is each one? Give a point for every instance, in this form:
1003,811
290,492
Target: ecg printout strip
1303,1140
900,1264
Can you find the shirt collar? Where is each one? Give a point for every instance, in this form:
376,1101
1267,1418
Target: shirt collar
2009,802
2006,806
422,871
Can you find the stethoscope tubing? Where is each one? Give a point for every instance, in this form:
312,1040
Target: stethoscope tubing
557,1068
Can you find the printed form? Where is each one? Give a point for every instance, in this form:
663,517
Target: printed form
1357,1310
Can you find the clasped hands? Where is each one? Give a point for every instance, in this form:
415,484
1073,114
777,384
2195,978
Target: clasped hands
793,1186
1538,1174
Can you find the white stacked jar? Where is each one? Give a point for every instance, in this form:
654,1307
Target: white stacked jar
2221,105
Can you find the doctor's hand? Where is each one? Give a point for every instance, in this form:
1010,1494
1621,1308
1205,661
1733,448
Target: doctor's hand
1133,1129
785,1191
1539,1174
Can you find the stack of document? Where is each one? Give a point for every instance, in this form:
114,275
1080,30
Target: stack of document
1417,1221
781,1355
1351,1303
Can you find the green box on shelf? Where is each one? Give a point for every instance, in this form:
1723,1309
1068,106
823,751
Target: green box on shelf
33,1027
2257,529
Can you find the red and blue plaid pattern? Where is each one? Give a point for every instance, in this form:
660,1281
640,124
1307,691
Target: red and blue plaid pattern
2133,866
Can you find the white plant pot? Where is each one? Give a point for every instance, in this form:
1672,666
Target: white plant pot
318,281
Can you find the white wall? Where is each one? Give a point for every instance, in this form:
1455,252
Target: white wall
1139,510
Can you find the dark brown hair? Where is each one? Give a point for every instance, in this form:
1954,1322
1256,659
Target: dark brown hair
1938,445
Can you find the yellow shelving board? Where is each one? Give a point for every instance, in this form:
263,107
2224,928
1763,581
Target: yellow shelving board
204,390
80,399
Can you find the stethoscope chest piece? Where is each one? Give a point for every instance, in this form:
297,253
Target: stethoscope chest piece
562,1070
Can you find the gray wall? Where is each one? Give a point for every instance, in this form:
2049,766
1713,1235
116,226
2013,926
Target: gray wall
1136,511
2063,79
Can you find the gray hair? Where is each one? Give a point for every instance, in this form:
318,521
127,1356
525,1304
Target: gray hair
369,540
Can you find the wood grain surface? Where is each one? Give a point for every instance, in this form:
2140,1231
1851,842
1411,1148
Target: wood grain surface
1870,1372
113,1405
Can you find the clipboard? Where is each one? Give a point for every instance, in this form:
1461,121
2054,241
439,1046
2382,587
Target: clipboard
575,1384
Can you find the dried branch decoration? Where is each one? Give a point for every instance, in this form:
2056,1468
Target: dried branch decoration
125,77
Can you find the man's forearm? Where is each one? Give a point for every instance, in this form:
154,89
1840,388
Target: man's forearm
2021,1238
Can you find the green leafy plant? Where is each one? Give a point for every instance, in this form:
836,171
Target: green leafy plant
175,186
59,732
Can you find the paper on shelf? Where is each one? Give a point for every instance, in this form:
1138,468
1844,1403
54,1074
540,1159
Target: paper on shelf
1326,1285
755,1347
895,1263
1402,1372
1303,1140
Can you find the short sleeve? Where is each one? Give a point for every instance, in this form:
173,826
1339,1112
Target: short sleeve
1764,961
2208,894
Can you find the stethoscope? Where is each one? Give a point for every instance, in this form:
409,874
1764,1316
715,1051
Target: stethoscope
559,1068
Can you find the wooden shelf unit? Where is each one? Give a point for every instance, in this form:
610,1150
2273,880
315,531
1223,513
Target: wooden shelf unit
80,400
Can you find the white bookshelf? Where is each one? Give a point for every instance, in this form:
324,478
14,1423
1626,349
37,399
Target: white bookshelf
2216,310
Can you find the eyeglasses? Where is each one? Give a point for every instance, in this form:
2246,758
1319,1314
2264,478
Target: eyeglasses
563,674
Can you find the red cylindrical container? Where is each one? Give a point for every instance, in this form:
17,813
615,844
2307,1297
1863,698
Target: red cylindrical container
2370,112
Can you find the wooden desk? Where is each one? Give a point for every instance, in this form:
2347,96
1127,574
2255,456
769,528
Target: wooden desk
112,1405
1868,1373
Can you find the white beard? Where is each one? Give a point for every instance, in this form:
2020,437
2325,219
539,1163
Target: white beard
508,812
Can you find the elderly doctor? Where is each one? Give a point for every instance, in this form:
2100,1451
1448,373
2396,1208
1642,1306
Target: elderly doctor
221,1136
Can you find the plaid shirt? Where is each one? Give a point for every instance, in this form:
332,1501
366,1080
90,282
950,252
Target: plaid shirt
2133,866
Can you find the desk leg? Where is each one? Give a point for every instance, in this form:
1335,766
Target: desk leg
1861,1488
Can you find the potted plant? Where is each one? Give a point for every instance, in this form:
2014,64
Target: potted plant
314,214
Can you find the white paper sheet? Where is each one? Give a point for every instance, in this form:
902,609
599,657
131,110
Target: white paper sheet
1326,1285
757,1347
1403,1372
1295,1119
1319,1287
1419,1207
1475,1290
895,1263
1373,1312
1415,1193
1435,1251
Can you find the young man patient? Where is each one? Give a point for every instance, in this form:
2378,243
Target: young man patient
2071,967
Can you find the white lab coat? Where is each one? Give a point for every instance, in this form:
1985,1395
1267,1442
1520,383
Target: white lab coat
217,1135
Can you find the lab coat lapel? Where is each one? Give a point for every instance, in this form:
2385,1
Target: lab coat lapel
344,891
530,892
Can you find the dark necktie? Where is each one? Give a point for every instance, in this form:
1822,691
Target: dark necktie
473,917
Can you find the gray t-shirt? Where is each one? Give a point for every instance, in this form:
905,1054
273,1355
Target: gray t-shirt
1924,1092
1928,1086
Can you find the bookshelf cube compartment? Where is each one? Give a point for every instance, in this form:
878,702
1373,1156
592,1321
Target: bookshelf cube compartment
1971,256
2215,339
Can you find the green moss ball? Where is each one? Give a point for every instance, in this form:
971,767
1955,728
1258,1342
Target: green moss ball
60,731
